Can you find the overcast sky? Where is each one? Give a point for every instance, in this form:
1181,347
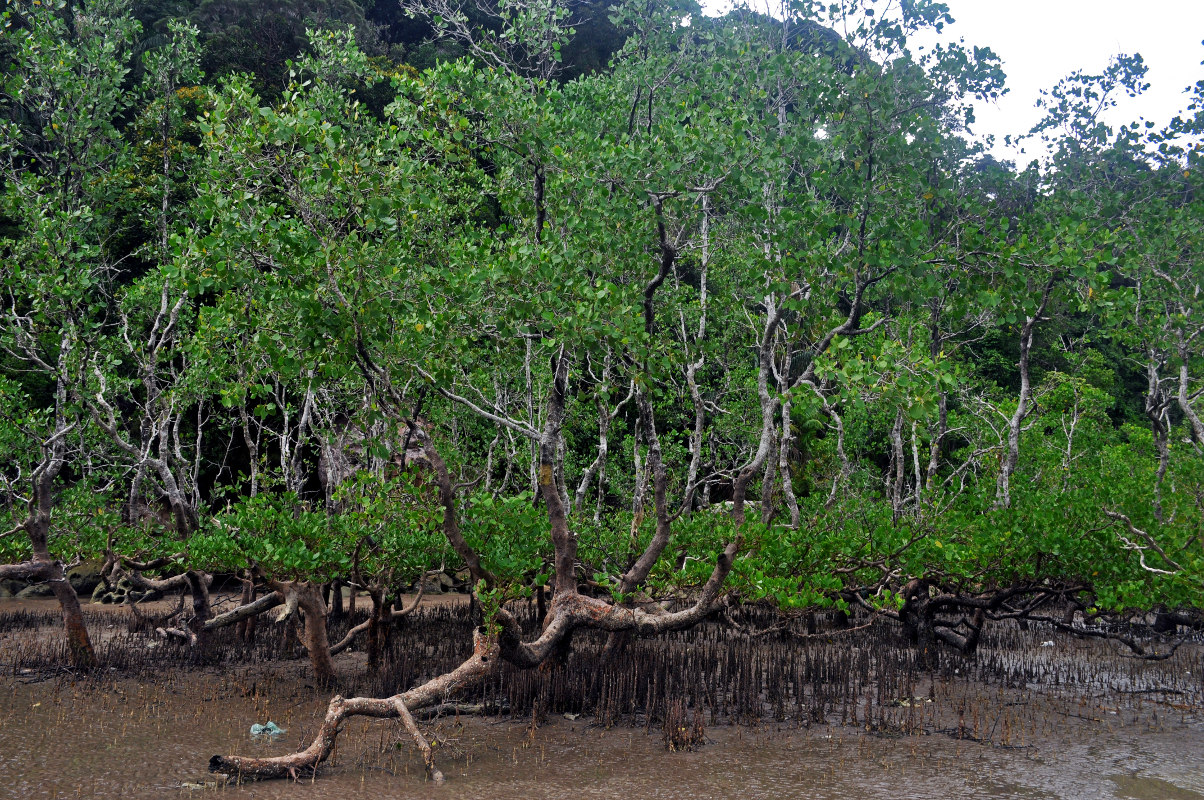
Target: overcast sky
1041,41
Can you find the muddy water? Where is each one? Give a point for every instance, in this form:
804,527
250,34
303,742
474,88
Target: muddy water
119,738
150,736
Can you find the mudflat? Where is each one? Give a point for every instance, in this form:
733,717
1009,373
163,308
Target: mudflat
835,715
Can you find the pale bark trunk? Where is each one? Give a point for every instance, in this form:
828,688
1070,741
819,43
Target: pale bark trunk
700,412
768,480
938,439
598,465
1011,456
898,465
250,439
564,540
769,338
638,573
784,463
1184,395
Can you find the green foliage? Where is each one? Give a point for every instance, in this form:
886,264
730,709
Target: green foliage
393,530
319,245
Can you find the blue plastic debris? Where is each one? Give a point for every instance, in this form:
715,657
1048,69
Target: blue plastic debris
270,729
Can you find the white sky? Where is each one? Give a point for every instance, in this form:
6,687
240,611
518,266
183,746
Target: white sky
1040,41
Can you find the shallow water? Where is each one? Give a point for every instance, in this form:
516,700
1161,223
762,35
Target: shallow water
122,739
151,737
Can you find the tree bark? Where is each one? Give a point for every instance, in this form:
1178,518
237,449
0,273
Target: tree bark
917,616
483,663
377,625
564,540
306,597
769,338
246,626
1011,456
1184,395
784,469
42,566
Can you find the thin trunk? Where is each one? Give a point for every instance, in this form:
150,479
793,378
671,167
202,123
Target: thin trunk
918,620
488,487
292,453
246,627
202,612
564,540
637,493
768,480
250,439
938,438
598,467
700,412
451,525
530,398
915,463
935,345
336,599
1156,405
1011,457
638,573
696,433
784,463
769,338
896,474
1184,396
376,629
511,455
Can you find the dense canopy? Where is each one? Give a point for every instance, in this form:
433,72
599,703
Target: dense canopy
656,311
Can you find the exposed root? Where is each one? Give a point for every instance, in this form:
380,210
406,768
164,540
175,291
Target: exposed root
483,663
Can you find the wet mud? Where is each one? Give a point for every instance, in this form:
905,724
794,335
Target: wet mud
782,714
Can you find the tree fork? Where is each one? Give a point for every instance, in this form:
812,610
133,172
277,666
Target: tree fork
483,663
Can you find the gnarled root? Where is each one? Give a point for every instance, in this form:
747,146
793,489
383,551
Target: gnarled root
484,661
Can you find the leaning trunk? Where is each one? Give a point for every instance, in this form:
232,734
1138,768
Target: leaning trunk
79,644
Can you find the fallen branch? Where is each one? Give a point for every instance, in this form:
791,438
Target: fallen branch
1137,650
265,603
483,663
458,709
428,757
